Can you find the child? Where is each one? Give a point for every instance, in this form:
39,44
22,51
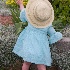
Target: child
33,42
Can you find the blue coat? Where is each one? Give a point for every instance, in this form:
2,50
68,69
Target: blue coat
33,43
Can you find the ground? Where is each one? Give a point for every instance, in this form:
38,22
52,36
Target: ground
6,20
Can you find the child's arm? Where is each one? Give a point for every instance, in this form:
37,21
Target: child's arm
54,36
20,3
22,12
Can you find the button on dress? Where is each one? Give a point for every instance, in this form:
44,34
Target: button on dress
33,43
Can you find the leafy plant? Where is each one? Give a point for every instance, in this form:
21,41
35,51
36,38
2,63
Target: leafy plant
14,8
17,22
62,13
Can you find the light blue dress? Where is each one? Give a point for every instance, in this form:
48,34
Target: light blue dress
33,43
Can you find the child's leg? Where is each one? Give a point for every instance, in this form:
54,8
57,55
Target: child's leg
26,65
41,67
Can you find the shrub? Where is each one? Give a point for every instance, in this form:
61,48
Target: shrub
62,13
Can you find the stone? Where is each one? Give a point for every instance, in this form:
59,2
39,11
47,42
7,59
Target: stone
66,31
7,41
4,10
61,50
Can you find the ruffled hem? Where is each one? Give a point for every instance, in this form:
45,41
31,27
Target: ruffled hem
54,38
47,64
35,60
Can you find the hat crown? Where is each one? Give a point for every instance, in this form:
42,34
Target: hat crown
42,11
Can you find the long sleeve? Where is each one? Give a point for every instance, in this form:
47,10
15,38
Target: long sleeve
54,36
23,16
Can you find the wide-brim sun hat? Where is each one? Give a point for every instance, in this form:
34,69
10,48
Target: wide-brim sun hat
40,13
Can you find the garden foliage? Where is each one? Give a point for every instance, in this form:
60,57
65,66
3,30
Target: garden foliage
62,13
61,10
14,8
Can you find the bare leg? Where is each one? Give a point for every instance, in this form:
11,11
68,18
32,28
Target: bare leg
41,67
26,65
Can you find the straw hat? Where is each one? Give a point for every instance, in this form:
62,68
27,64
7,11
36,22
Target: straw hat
40,13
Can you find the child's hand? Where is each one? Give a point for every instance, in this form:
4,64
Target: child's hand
19,2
